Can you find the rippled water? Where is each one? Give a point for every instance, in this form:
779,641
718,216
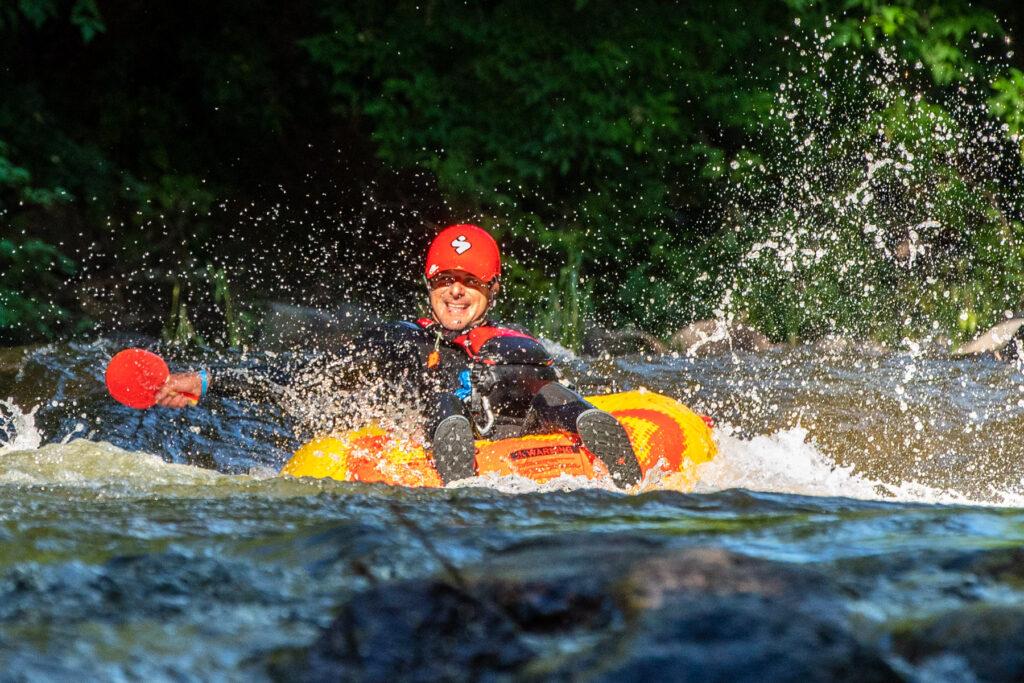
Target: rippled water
158,545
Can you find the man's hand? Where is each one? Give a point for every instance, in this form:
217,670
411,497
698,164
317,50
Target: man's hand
172,393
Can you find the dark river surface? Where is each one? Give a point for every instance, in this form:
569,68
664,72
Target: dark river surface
160,545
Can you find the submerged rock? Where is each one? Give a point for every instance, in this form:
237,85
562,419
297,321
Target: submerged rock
1004,565
713,615
418,630
713,337
620,342
712,571
989,640
743,637
605,608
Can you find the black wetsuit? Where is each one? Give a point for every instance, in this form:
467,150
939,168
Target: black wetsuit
497,375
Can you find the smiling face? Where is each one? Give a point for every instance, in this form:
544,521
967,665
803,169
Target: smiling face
458,299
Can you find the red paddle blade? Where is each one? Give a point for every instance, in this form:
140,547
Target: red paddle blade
134,376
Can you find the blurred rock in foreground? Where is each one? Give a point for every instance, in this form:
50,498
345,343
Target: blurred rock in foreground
613,609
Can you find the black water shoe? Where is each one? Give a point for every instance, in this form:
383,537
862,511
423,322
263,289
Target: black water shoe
606,438
454,451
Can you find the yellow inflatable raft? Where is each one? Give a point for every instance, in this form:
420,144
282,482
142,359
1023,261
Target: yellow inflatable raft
661,429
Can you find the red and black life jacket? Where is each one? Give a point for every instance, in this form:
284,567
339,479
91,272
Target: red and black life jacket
492,344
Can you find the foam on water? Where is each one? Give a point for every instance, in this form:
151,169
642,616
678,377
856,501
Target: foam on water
784,462
26,461
788,462
517,485
88,463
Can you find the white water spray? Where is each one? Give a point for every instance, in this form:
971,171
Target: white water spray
18,430
788,462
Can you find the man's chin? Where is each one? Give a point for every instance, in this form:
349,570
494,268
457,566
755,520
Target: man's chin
455,322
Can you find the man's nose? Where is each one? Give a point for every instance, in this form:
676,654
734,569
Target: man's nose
458,289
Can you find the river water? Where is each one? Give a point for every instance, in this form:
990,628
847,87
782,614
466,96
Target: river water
159,545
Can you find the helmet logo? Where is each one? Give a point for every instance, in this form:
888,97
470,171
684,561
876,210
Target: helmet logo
461,245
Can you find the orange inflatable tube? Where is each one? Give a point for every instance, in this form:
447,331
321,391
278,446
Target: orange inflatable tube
664,433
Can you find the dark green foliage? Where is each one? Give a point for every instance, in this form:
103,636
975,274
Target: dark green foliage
931,240
32,276
83,14
631,156
613,140
599,129
1008,102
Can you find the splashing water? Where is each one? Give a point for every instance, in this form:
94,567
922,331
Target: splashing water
139,546
784,462
902,428
17,429
873,220
787,462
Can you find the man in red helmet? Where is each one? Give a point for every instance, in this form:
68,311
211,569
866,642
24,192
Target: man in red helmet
491,379
476,377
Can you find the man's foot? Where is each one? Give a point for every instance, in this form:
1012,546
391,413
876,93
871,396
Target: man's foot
606,438
454,450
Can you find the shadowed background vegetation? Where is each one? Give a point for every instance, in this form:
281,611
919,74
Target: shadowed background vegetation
171,166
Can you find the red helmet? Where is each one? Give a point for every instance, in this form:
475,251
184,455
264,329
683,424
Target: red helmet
467,248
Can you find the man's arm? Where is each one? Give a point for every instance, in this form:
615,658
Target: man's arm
259,383
386,350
